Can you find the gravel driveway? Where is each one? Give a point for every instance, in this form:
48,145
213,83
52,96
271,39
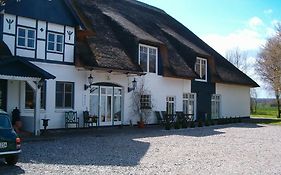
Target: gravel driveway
229,149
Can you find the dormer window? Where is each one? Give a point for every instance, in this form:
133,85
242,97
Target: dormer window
26,38
201,69
148,58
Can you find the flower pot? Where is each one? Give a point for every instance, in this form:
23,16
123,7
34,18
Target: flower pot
141,124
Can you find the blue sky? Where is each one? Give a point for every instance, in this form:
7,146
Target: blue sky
228,24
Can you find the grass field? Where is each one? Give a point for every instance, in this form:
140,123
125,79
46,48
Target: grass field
266,114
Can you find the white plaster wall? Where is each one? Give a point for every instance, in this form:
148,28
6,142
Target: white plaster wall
55,27
10,42
69,38
41,34
12,29
69,53
235,100
13,94
40,49
26,53
26,22
54,57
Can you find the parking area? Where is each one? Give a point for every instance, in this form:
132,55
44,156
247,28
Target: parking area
229,149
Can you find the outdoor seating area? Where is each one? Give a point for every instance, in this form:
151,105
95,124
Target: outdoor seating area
72,120
182,120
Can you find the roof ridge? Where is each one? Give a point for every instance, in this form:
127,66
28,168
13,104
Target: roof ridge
136,2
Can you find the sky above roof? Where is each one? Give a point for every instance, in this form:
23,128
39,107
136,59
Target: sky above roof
228,24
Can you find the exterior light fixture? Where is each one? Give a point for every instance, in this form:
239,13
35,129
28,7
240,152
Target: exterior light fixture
90,81
134,83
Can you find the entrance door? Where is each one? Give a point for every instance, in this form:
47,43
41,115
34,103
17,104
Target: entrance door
3,95
106,104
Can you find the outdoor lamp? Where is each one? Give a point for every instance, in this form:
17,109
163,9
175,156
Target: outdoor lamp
134,83
90,80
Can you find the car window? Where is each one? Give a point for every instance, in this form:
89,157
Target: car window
5,122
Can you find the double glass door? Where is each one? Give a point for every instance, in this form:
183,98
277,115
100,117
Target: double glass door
3,95
105,104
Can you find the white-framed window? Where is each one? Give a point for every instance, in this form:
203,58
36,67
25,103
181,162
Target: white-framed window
55,42
26,38
30,98
145,102
216,103
189,102
64,94
201,68
148,58
170,105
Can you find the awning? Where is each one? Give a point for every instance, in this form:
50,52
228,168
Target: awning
14,66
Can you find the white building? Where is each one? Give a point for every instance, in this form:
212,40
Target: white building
116,42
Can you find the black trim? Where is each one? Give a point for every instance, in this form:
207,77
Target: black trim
3,97
46,40
36,36
60,33
40,39
63,51
106,84
48,51
1,26
24,48
48,61
10,34
16,34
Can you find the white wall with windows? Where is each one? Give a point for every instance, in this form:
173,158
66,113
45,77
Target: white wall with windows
235,100
38,39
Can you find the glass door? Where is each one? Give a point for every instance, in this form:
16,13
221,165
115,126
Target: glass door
106,105
3,95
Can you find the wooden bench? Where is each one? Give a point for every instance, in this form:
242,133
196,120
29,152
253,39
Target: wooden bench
71,119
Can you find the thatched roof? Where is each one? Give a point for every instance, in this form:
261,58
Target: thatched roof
119,27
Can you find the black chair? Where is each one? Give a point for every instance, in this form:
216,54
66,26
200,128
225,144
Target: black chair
71,118
88,120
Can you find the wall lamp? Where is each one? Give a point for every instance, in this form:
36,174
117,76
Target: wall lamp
134,83
90,81
40,83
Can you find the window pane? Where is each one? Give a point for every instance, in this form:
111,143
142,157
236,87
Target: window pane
59,47
51,37
143,61
59,38
31,34
51,46
29,97
59,99
152,63
30,43
21,32
68,100
68,87
21,42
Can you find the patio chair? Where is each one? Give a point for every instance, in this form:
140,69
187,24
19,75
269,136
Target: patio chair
89,120
160,118
71,119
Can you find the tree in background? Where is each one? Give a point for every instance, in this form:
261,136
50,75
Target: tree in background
269,64
239,59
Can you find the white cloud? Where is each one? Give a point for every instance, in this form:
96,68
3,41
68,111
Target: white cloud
268,11
255,21
245,39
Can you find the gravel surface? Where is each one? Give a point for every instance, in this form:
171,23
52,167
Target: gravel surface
229,149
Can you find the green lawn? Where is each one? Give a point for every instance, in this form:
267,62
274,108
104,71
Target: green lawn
266,115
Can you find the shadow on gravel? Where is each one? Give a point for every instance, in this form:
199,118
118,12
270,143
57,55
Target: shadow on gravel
13,170
103,146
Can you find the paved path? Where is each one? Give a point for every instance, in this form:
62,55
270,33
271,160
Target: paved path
229,149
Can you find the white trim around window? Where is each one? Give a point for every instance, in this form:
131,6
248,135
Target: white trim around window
55,42
200,68
148,52
26,38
